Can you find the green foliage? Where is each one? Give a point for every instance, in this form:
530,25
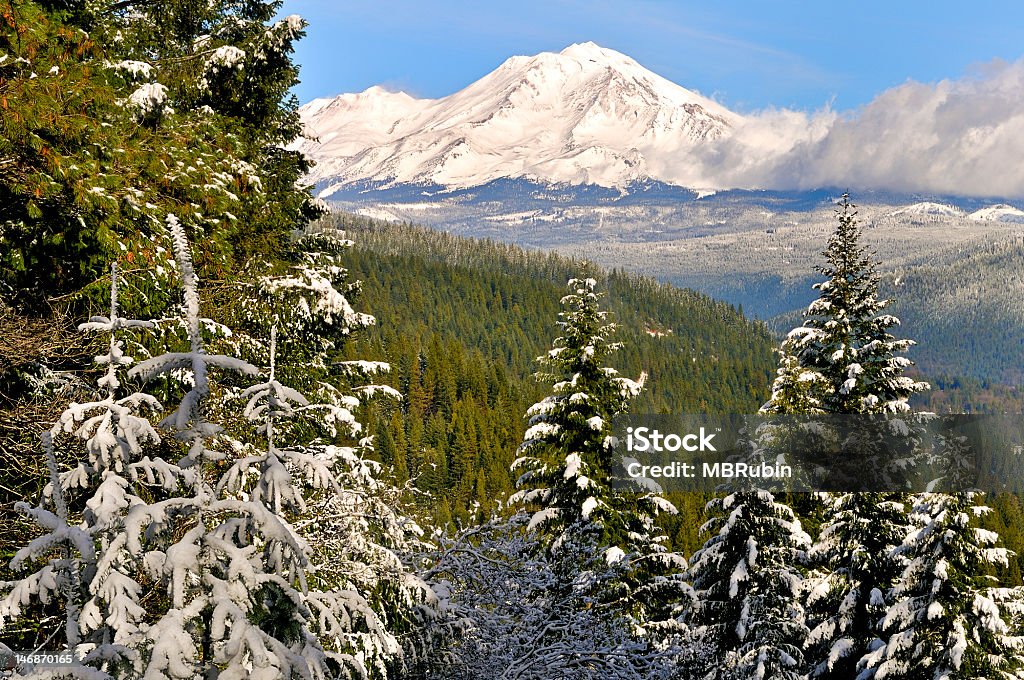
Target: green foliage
110,122
461,322
51,95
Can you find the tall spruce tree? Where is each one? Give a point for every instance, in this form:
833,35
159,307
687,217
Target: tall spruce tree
844,360
566,462
566,454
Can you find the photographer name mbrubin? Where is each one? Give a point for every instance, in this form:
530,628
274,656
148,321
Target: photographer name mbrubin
710,470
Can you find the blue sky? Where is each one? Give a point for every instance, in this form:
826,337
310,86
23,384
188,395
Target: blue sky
749,55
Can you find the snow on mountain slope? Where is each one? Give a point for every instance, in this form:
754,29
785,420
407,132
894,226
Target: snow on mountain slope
999,213
931,209
584,115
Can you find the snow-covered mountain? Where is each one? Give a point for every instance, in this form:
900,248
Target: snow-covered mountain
999,213
585,115
927,208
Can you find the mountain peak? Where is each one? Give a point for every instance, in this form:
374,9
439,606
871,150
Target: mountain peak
381,91
1000,212
590,50
585,115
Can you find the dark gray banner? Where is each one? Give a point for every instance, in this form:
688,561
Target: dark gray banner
908,452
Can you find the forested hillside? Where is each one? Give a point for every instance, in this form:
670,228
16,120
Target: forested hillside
976,287
955,281
462,322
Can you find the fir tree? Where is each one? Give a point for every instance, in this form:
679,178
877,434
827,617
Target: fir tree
367,602
186,109
748,588
567,450
566,458
843,360
945,620
95,572
844,349
849,598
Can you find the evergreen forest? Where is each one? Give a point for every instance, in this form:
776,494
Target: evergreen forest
243,437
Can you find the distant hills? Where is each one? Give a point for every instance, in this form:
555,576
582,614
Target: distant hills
999,212
951,264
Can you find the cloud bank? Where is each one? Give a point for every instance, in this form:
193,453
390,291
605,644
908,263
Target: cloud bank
963,136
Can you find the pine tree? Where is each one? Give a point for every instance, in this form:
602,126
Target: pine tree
945,620
566,452
748,588
844,347
843,360
241,539
95,571
566,458
856,548
186,110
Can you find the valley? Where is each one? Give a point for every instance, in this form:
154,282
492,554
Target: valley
757,251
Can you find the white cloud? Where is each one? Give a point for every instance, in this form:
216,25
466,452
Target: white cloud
962,136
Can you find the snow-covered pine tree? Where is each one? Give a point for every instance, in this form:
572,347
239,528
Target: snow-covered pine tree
843,360
94,573
844,348
749,588
232,567
371,611
855,550
946,619
227,573
566,463
352,526
566,454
